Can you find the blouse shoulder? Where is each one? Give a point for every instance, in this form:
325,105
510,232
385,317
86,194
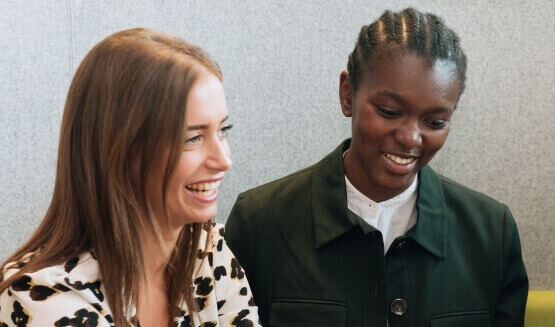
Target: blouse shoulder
66,294
223,263
221,287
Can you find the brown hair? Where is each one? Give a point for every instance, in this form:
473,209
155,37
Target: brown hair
126,102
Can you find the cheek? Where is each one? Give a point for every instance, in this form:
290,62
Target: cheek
370,129
183,169
435,141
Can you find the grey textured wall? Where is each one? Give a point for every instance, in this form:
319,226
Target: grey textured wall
281,61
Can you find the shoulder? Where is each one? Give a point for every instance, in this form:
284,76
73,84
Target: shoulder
59,294
293,193
455,192
221,287
48,282
283,187
265,209
219,257
272,198
296,188
468,209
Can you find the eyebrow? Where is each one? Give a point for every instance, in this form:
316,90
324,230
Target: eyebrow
198,127
400,99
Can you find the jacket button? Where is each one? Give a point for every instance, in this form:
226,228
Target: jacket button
398,307
400,246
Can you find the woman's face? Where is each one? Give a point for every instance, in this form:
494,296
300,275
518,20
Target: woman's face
192,190
400,118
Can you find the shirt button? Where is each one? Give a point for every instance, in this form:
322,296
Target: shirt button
398,307
374,206
400,246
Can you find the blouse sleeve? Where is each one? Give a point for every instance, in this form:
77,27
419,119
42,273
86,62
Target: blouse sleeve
236,305
49,297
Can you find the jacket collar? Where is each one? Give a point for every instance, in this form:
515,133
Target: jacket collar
332,218
330,213
430,230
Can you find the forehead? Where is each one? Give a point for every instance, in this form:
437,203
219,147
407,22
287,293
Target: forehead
206,101
411,75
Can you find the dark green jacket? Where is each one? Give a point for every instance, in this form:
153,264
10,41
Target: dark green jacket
311,261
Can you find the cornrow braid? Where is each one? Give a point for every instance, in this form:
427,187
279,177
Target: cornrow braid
409,30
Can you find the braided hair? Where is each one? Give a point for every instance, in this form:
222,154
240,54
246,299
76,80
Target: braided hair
407,30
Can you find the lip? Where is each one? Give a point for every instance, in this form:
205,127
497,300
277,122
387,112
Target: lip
399,169
210,180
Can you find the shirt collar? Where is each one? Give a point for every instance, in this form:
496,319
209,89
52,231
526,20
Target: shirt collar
358,199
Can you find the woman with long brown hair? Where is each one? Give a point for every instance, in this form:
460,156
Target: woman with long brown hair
127,237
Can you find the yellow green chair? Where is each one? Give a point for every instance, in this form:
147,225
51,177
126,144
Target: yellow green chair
540,309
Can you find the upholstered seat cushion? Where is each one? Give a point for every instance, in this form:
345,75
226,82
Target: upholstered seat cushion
540,309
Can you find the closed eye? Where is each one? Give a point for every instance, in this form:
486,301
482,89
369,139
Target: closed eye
436,124
386,112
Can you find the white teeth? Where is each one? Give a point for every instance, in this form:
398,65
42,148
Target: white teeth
204,193
204,189
399,160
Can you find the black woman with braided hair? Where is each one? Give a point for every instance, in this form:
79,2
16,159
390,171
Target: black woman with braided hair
371,235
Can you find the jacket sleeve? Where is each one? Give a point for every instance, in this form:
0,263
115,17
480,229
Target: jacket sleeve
239,236
512,299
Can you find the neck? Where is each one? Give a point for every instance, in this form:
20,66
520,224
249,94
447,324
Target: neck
157,250
156,247
362,183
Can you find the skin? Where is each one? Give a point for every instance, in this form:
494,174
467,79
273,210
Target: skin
403,107
204,159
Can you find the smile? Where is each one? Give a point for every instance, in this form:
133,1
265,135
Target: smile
203,189
399,160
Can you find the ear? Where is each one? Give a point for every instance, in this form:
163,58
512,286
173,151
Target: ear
345,94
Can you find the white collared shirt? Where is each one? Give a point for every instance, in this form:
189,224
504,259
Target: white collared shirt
393,217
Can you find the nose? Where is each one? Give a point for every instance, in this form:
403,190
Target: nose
409,135
219,155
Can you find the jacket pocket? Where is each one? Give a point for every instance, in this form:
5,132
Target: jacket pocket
467,319
306,313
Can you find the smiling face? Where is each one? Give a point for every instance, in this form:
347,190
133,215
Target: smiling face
192,189
400,118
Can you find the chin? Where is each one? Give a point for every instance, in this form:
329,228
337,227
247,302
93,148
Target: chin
397,183
193,218
204,216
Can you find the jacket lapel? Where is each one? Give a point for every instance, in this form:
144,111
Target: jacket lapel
430,230
329,198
